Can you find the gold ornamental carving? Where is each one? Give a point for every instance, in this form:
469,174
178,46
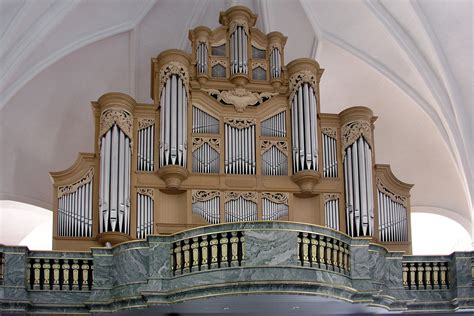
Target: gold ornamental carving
213,142
393,196
238,22
329,131
122,118
146,191
260,64
67,189
204,195
234,195
281,145
276,197
145,122
174,68
299,78
239,123
331,197
353,130
240,98
222,62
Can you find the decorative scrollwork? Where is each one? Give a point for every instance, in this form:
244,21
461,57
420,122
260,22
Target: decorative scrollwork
353,130
297,79
281,145
222,62
234,195
239,123
146,191
260,64
174,68
238,22
276,197
331,196
213,142
329,131
393,196
145,122
112,116
240,98
67,189
203,195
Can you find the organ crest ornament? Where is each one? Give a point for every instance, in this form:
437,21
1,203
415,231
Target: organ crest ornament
265,152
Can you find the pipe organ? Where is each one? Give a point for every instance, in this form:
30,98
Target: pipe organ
260,149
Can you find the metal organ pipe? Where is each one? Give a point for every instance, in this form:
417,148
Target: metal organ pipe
275,63
173,121
304,127
144,215
358,187
329,157
239,149
331,209
238,51
201,58
392,218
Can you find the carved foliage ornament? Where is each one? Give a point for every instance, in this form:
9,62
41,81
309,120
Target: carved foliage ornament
331,197
249,196
68,189
199,141
122,118
239,123
260,64
299,78
221,62
240,98
203,195
353,130
145,191
239,22
329,131
174,68
281,145
145,122
276,197
393,196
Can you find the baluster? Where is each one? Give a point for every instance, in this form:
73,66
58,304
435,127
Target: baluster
242,245
298,249
306,242
214,251
412,276
224,250
195,251
85,276
341,256
436,284
328,251
234,245
187,256
314,251
75,275
322,252
204,253
28,275
335,255
428,275
173,268
37,273
420,270
65,267
444,280
177,253
46,274
347,258
405,275
56,271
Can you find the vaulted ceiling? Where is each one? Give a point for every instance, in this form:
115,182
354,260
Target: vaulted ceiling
410,61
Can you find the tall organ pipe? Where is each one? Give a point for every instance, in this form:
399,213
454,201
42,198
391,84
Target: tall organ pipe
201,58
115,162
238,51
173,144
275,63
304,128
358,188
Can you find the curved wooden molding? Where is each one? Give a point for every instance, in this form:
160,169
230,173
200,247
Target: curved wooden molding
82,165
385,174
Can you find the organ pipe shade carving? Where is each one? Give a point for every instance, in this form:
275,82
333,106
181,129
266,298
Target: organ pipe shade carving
274,206
274,126
201,58
115,158
275,63
393,223
146,140
204,123
329,156
174,100
358,188
274,158
239,146
331,211
75,208
207,205
206,157
145,211
238,50
304,128
240,206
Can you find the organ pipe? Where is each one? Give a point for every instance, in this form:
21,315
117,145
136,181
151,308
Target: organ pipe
238,51
240,210
204,123
275,63
305,145
202,57
207,205
145,211
146,137
358,188
173,143
206,157
329,156
274,126
274,206
239,147
393,221
331,211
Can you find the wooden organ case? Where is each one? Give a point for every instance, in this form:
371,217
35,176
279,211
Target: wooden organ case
234,134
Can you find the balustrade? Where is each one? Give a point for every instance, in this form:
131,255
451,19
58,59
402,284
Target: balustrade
425,275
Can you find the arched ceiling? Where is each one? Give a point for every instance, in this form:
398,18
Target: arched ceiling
407,60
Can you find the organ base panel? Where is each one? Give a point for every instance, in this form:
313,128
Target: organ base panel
234,134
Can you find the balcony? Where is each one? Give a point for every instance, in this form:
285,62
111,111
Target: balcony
234,259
